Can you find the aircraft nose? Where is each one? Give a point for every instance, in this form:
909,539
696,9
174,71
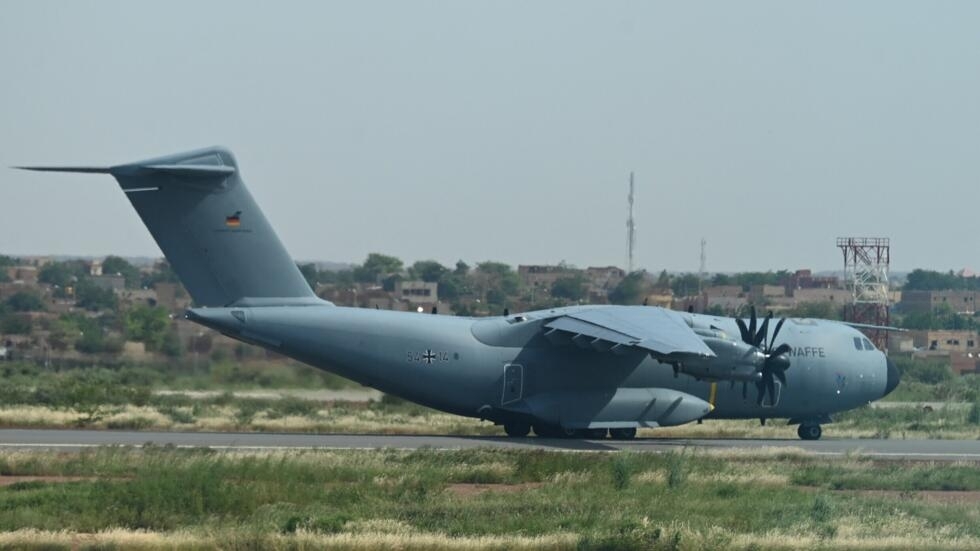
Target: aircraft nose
893,377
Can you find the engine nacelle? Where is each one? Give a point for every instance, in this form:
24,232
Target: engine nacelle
733,361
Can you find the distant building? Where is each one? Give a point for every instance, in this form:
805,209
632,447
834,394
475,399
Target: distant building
804,279
25,274
95,268
716,291
946,341
961,302
113,283
417,292
806,295
604,278
760,294
542,276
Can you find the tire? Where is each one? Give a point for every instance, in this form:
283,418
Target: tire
595,434
622,434
517,429
809,432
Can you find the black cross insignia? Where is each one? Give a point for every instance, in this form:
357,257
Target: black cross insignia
428,356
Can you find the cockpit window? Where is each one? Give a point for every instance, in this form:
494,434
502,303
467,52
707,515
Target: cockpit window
868,345
857,343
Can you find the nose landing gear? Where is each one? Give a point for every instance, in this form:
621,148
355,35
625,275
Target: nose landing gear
809,431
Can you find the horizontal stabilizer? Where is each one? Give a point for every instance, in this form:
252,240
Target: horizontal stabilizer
192,171
82,169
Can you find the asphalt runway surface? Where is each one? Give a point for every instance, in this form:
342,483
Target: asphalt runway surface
74,440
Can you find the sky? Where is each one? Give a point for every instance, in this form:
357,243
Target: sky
507,130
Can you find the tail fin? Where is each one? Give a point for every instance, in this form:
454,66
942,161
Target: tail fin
208,226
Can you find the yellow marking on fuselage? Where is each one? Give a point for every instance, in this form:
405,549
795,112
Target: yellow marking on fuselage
713,395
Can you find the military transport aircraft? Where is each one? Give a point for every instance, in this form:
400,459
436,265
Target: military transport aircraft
579,371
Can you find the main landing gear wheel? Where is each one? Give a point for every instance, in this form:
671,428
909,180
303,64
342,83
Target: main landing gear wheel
517,429
622,434
594,434
809,432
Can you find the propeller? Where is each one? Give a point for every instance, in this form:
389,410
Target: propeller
775,365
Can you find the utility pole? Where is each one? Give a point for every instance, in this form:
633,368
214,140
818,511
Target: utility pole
630,230
703,269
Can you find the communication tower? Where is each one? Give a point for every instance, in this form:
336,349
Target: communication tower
630,230
866,262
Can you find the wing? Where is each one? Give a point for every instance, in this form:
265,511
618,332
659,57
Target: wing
618,329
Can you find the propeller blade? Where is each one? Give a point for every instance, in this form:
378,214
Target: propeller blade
771,387
743,330
752,327
745,390
775,332
760,337
780,350
761,386
781,375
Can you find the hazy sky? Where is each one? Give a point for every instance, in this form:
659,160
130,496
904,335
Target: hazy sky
507,130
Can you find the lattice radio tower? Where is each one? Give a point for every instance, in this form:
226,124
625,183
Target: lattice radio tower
630,230
866,262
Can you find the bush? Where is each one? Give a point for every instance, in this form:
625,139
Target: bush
621,472
923,371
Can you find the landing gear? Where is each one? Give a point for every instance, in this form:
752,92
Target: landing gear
622,434
809,432
517,429
594,434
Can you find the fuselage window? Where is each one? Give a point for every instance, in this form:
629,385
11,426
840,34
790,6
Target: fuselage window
857,343
868,345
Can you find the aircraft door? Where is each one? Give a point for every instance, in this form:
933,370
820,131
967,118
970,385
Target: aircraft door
513,383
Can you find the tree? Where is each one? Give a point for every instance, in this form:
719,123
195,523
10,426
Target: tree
630,290
114,265
499,276
462,268
928,280
377,267
685,285
23,301
92,297
721,279
162,273
62,274
6,262
571,287
427,270
148,325
15,324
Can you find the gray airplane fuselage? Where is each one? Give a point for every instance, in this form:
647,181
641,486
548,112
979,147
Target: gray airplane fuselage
580,370
459,364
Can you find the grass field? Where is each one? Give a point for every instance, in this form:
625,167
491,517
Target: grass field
482,499
163,398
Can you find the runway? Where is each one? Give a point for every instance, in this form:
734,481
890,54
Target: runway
74,440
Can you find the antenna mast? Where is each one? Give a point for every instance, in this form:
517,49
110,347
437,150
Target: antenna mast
630,230
703,270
